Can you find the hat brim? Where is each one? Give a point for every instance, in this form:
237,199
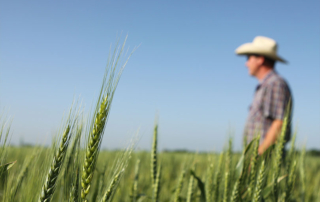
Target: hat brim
249,48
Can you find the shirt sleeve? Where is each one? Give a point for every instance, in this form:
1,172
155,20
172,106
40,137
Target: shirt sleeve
276,99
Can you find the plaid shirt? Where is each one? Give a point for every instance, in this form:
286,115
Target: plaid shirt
270,101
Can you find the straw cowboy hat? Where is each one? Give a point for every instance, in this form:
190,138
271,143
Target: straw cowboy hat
261,46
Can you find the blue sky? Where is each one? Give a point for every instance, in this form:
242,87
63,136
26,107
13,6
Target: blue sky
185,69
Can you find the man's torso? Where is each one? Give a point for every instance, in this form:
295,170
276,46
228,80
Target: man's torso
270,101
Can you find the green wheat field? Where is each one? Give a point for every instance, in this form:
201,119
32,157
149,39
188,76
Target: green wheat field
75,168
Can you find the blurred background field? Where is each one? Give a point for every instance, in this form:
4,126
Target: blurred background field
172,164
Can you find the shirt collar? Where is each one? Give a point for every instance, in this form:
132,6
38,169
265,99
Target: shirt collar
272,72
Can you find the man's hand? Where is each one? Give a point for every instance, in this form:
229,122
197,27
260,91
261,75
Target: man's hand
271,136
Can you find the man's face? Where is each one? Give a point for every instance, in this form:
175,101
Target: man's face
253,63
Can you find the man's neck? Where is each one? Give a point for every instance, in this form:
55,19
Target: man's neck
263,73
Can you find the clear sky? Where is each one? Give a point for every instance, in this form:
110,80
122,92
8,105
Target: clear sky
185,69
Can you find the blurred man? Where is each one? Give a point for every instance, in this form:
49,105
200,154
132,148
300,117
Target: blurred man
272,94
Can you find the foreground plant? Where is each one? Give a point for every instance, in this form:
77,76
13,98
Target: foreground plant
278,159
154,155
135,182
51,179
111,190
100,117
19,180
179,186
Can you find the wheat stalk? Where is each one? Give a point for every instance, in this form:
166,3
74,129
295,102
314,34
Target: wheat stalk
190,189
235,193
209,183
50,183
179,186
226,187
279,151
290,182
135,182
154,155
156,189
74,194
253,165
113,186
260,180
218,178
100,117
20,178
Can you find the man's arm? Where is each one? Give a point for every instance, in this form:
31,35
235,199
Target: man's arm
271,136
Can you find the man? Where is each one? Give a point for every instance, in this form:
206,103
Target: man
272,95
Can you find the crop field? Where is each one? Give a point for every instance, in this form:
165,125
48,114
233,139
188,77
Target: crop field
176,176
75,168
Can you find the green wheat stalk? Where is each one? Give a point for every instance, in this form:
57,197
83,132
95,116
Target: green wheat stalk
135,182
226,187
179,186
74,194
209,183
107,197
235,193
303,173
119,166
21,177
258,191
290,182
253,166
51,179
218,178
96,187
279,151
229,167
100,117
156,189
154,155
190,189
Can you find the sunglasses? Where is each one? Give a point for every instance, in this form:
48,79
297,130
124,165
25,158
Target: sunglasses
255,55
